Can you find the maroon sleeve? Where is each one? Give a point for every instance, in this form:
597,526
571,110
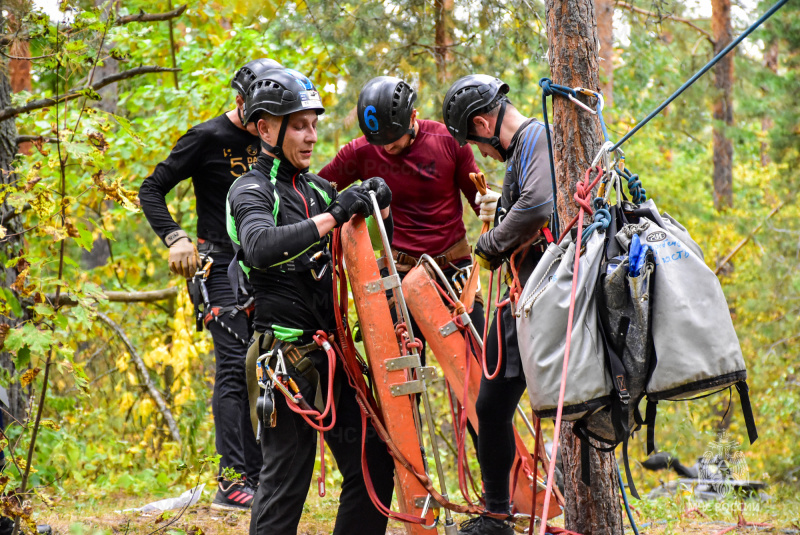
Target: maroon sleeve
465,164
343,170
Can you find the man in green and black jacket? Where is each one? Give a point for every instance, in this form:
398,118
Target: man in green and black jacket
279,218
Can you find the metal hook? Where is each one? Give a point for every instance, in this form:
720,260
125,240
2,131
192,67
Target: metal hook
590,93
603,152
581,104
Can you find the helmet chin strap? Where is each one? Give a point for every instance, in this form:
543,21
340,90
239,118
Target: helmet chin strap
277,149
241,117
494,141
412,131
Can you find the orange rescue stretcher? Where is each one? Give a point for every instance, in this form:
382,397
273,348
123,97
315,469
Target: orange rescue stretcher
398,377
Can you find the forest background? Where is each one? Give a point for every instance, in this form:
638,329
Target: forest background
126,409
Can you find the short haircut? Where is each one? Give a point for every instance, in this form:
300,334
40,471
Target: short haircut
490,110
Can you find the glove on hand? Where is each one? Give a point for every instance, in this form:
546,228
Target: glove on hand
488,202
382,191
354,200
486,260
183,258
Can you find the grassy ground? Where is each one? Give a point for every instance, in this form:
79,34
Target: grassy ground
664,516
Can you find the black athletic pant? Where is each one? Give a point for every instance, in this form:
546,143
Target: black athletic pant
497,402
235,441
289,450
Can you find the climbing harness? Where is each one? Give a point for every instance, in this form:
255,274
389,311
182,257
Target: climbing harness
204,311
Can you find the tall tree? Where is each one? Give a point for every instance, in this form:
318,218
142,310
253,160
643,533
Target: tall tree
11,241
605,30
443,39
573,56
723,105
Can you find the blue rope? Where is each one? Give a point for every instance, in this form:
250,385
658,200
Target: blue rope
602,120
625,500
601,219
700,73
550,89
638,193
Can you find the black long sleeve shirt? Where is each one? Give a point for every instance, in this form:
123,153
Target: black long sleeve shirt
275,232
527,195
213,154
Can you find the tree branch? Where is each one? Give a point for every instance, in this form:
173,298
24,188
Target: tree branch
149,296
139,17
661,16
145,373
7,113
150,17
722,263
23,139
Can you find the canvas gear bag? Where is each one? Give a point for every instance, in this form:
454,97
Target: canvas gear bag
660,330
541,330
623,295
697,351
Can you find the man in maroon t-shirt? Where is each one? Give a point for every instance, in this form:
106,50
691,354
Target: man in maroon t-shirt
426,170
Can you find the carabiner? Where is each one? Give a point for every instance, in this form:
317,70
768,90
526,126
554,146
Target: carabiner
589,93
581,104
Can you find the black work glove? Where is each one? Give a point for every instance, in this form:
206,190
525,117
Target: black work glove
485,259
382,191
354,200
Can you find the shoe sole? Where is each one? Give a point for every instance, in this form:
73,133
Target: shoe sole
225,507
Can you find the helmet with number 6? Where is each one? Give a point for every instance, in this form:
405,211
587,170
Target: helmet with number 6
385,105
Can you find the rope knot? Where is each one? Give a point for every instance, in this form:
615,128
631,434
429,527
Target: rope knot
544,83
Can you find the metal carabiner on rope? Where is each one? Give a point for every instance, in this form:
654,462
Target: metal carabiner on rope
601,103
602,154
581,104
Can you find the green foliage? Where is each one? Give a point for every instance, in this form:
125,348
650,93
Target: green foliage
78,197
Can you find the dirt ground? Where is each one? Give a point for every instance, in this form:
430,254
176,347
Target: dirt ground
202,520
197,520
100,517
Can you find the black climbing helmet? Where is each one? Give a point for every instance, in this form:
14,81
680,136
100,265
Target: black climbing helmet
252,70
384,109
466,97
280,92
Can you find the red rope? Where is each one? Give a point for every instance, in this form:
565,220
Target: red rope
499,313
582,194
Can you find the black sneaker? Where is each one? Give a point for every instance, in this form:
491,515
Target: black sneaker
484,525
233,496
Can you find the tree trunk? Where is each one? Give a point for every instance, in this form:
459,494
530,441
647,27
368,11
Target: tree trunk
19,72
443,38
573,56
605,29
770,62
723,106
11,245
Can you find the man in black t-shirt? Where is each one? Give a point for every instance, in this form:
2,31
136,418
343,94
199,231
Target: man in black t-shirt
214,154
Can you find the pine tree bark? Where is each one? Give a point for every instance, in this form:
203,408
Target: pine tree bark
605,30
573,56
11,245
723,105
443,38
